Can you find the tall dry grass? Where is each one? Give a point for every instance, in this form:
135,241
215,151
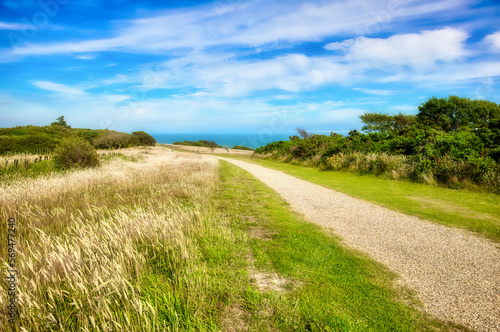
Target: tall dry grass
89,241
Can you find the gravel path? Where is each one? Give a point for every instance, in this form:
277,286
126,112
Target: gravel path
455,273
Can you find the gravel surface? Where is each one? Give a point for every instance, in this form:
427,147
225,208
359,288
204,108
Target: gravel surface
455,273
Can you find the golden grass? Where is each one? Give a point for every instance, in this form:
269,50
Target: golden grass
85,239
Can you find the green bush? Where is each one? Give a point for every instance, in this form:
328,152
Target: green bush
239,147
111,139
75,153
144,138
200,143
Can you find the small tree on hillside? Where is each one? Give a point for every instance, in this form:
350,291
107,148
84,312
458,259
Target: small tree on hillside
376,122
144,138
75,152
60,122
213,146
112,140
303,133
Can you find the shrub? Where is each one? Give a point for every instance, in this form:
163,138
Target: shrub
112,140
75,153
240,147
144,138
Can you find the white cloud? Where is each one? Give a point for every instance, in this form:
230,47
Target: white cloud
292,73
56,87
457,74
12,26
248,24
375,91
494,40
228,77
416,50
86,57
117,79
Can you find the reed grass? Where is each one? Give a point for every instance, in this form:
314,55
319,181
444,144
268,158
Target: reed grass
87,240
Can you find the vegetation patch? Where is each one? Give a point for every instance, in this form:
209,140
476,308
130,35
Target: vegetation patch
200,143
239,147
75,153
451,141
45,139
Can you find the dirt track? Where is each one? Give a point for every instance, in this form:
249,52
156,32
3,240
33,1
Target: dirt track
455,273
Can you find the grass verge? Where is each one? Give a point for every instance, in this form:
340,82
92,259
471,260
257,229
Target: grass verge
475,211
313,283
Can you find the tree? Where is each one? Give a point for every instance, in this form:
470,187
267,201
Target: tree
144,138
376,122
75,152
453,113
402,121
384,123
303,133
213,146
112,139
60,122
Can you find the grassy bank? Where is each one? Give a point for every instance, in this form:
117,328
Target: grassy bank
170,242
472,210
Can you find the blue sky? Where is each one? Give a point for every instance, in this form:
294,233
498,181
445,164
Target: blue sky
240,66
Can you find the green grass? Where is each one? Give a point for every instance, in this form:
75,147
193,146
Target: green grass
12,172
329,287
472,210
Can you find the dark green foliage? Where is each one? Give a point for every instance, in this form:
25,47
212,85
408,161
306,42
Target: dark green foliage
88,134
452,113
144,138
75,153
451,140
36,139
383,123
200,143
31,139
111,139
239,147
60,122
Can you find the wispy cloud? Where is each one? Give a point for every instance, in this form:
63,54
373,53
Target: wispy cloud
375,91
11,26
86,57
494,40
247,24
428,55
56,87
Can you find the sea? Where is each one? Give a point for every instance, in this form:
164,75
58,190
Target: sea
249,140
